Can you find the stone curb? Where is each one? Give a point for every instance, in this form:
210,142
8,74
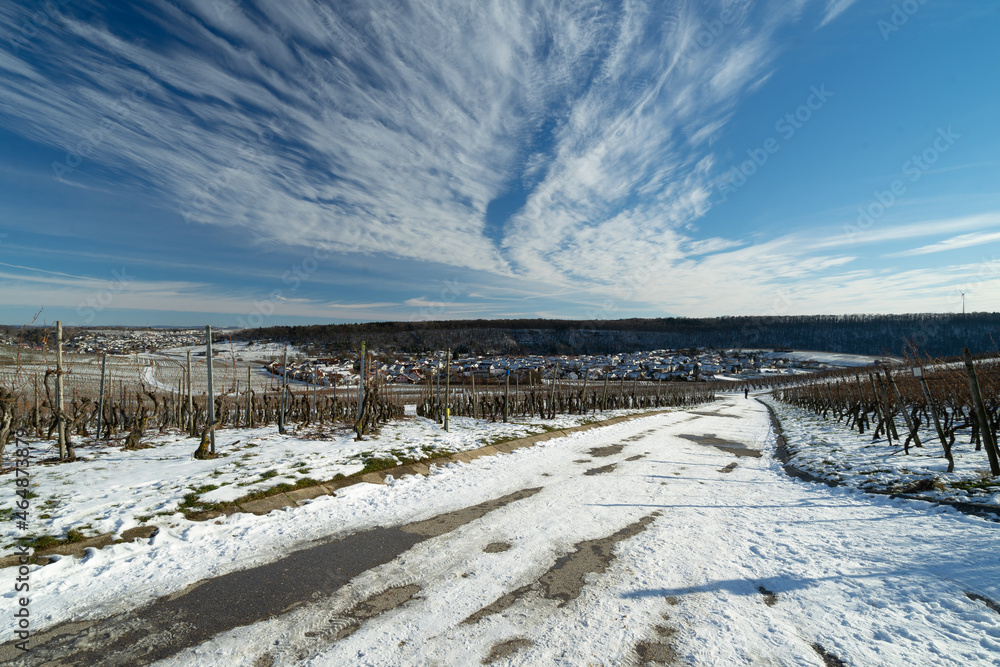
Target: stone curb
41,556
296,497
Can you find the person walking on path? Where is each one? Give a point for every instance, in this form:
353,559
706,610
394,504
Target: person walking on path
746,392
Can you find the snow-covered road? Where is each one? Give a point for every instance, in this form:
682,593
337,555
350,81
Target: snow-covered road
662,540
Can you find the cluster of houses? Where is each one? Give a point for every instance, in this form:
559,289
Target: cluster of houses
667,365
127,341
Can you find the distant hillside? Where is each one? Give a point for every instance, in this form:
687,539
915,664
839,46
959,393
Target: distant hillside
933,334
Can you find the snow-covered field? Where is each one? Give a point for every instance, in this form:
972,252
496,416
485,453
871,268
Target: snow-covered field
111,490
735,563
241,350
828,358
163,370
826,449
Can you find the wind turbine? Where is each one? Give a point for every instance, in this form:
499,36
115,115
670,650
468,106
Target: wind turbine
963,301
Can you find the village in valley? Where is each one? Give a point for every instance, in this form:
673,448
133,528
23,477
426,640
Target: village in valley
657,365
115,340
152,356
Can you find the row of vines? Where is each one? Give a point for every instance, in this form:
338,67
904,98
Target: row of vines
134,406
914,406
503,402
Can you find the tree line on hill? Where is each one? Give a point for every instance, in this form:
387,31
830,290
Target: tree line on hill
933,334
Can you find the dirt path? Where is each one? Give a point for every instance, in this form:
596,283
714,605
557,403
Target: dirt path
675,539
241,598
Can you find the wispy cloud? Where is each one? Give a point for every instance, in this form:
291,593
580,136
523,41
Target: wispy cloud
385,130
835,8
953,243
910,230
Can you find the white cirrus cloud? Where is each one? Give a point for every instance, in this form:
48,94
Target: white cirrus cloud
387,128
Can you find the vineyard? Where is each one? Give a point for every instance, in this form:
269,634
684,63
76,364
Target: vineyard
918,406
501,402
123,399
120,399
133,405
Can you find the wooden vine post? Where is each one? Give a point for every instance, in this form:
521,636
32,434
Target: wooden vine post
884,409
361,391
315,381
37,415
206,447
902,408
249,419
989,438
60,416
918,372
438,417
604,394
211,387
281,399
447,389
100,395
190,398
552,392
506,395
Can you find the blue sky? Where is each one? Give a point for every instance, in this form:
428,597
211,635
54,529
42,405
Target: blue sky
247,164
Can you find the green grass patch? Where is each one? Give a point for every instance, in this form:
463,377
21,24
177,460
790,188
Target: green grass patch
74,535
43,541
375,464
976,484
264,493
191,504
501,439
432,452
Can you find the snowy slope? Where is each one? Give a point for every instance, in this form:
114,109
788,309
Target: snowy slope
869,580
111,490
826,449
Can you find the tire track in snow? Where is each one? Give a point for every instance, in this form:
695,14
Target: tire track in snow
240,598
